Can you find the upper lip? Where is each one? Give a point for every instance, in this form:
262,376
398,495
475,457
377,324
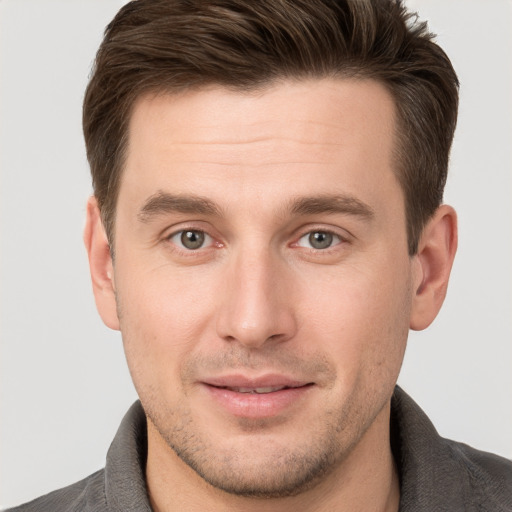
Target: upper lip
263,381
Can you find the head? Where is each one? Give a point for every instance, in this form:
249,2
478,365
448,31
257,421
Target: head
270,180
163,46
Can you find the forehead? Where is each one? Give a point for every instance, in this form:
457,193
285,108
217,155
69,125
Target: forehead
312,110
288,137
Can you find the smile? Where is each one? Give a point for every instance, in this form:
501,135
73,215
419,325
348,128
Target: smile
266,397
257,390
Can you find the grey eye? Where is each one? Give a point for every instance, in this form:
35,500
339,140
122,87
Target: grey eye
191,239
319,240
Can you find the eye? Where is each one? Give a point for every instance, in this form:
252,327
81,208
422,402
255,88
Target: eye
191,239
319,240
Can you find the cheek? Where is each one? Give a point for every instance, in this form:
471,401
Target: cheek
162,318
363,319
161,299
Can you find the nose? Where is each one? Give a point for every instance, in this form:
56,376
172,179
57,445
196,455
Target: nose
256,305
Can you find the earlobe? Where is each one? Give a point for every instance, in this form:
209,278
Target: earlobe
100,265
434,259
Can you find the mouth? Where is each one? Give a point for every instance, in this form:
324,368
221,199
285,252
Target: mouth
256,398
259,391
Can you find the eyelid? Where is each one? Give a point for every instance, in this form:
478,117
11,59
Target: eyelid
342,234
187,225
334,235
176,235
213,240
170,232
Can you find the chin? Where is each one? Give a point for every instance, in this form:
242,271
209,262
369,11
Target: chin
275,475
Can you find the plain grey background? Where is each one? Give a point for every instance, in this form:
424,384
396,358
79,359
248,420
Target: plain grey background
64,384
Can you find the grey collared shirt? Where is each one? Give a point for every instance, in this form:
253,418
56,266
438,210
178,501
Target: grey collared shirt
436,474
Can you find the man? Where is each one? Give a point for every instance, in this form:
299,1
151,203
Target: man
266,227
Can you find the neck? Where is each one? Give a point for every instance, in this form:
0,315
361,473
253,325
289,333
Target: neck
365,480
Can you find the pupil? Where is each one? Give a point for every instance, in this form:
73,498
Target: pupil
320,240
192,239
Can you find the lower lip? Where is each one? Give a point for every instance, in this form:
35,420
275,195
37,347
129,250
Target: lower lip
257,405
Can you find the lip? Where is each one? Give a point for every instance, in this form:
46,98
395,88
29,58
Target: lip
224,391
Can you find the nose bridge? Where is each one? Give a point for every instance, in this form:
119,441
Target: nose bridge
254,310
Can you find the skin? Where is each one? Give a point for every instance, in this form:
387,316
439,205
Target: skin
258,299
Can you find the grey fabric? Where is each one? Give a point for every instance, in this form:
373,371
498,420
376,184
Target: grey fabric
441,475
435,474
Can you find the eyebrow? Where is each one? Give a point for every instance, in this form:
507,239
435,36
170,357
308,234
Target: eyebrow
344,204
163,203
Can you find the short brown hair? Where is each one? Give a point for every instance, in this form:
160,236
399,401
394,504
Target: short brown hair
172,45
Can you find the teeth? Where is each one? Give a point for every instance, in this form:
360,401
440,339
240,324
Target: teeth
257,390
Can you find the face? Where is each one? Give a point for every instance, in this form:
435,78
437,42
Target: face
262,278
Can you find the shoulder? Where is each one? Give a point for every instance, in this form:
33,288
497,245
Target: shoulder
119,486
441,474
84,496
489,475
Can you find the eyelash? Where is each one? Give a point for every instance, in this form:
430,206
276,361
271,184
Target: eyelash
333,234
209,242
174,237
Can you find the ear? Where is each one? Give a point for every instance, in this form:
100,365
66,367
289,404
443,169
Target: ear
434,259
100,265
